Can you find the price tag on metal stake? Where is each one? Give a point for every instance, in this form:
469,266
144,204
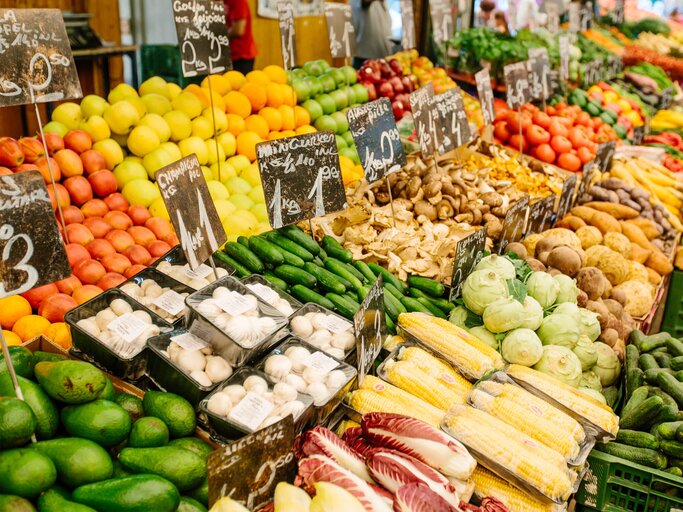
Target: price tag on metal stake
483,79
618,12
514,223
540,67
442,20
342,35
423,107
517,84
453,129
285,12
540,214
468,252
566,196
564,57
370,327
407,24
574,14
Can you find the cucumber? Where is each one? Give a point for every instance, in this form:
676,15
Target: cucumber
641,413
675,471
393,290
439,302
650,376
298,236
669,429
326,279
670,385
414,305
359,275
678,435
675,347
338,268
391,326
240,270
342,305
649,343
269,253
363,268
663,359
429,286
388,277
637,397
675,463
679,375
350,297
644,456
631,359
307,295
317,261
289,246
245,256
393,306
634,379
363,292
611,395
243,240
665,414
275,281
636,338
294,275
638,439
431,307
671,448
664,396
335,250
291,258
647,362
676,363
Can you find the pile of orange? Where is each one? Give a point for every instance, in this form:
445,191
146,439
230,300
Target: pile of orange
19,324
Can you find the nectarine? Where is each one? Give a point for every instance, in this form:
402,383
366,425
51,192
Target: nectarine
139,214
42,164
119,239
97,226
118,220
160,227
89,271
78,141
99,248
86,292
69,163
143,236
79,189
116,202
54,307
72,215
69,285
79,234
95,208
133,269
103,182
116,263
138,255
37,295
76,253
110,280
93,161
158,248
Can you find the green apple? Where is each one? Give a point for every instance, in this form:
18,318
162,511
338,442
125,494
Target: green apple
156,104
122,92
326,103
188,103
302,89
172,149
69,114
121,139
155,160
324,123
341,143
224,208
239,162
141,192
350,94
129,170
56,127
350,75
349,153
121,117
228,142
194,145
328,82
338,75
202,128
252,175
215,151
361,93
313,108
257,195
341,101
96,127
260,211
111,151
180,124
93,105
143,140
139,105
222,171
158,124
154,85
238,185
217,190
314,85
241,201
313,67
341,121
218,116
348,137
158,209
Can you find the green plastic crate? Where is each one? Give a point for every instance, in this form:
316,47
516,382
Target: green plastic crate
673,313
163,60
612,484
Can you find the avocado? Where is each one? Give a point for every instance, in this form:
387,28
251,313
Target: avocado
56,500
193,444
18,422
173,410
108,392
148,432
201,493
44,409
130,403
25,472
185,469
40,356
78,461
22,361
101,421
190,505
71,382
136,493
10,503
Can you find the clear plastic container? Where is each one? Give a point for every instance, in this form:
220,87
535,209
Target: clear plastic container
269,293
195,279
331,334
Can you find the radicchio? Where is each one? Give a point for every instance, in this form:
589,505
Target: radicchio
420,440
491,504
418,497
465,489
351,434
318,468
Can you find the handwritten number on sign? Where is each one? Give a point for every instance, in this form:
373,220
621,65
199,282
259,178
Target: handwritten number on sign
7,233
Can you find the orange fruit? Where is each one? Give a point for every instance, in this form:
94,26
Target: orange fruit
11,339
236,79
246,144
276,74
288,119
12,309
289,95
218,83
276,95
202,94
60,334
273,117
237,103
288,133
235,124
258,77
307,128
256,94
30,326
257,124
301,116
274,135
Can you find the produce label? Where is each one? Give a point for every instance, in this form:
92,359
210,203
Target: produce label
574,14
189,342
171,302
667,98
567,196
454,129
540,214
517,84
31,249
376,136
554,83
322,362
248,469
37,65
514,223
301,177
604,155
590,171
371,328
408,24
251,411
267,294
442,20
540,67
553,17
468,252
334,324
564,57
340,30
202,330
592,72
128,327
191,209
423,107
234,303
618,12
200,272
483,79
202,37
285,13
615,65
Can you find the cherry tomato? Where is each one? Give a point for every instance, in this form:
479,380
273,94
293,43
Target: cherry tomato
515,141
501,132
560,144
569,162
585,155
545,153
557,128
536,135
542,119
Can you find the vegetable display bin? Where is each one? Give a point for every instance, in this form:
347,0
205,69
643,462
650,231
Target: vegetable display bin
89,348
673,314
176,256
612,484
256,279
311,307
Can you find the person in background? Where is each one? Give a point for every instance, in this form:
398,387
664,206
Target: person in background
373,31
487,14
242,45
526,15
501,23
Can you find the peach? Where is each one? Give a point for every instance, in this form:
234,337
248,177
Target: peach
77,141
116,263
54,307
119,239
116,202
86,292
37,295
26,167
79,234
118,220
54,143
69,285
99,248
4,171
69,162
171,239
158,248
76,253
139,214
103,182
32,148
97,226
143,236
95,208
92,161
138,255
42,164
79,189
133,269
160,227
110,280
72,215
89,271
62,195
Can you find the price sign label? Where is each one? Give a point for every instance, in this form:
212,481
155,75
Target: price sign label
667,98
483,79
37,65
202,37
566,196
247,470
539,66
586,16
422,105
618,12
340,30
468,252
604,155
376,136
638,135
564,57
574,14
554,83
552,11
454,129
592,72
514,223
442,20
615,65
370,327
540,214
193,214
407,25
517,84
285,14
301,177
589,173
31,249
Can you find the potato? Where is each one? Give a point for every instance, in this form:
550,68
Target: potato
659,263
589,236
609,337
646,226
535,265
546,245
616,210
639,254
530,243
517,248
565,236
565,259
618,243
614,307
618,295
595,253
591,281
571,222
635,235
605,222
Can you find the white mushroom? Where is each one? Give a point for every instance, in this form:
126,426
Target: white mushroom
235,392
301,326
201,378
120,307
278,366
219,404
217,369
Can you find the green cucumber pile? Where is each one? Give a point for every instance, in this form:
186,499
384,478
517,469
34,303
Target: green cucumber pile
327,275
651,419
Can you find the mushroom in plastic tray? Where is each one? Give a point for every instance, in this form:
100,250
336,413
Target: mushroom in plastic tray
268,293
159,292
324,330
174,264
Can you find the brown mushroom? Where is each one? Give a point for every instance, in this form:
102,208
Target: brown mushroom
414,187
423,207
444,210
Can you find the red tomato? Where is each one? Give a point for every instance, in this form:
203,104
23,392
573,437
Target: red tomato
512,119
526,121
567,120
569,162
597,122
560,105
542,119
501,115
583,118
557,128
585,155
545,153
577,137
536,135
515,141
550,110
501,132
560,144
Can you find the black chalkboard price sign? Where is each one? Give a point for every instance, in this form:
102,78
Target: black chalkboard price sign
340,30
191,209
370,327
285,13
604,155
202,37
588,174
301,177
566,196
442,20
376,136
592,72
666,98
638,134
37,65
615,65
247,470
425,117
407,24
540,67
31,249
483,80
468,252
453,127
517,84
514,223
618,12
540,214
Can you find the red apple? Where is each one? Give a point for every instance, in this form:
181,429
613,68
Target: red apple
386,90
397,109
32,148
158,248
397,84
120,240
372,91
78,141
160,227
103,182
69,285
62,195
92,161
79,189
56,306
118,220
99,248
37,295
79,234
76,253
143,236
138,214
44,169
69,163
54,143
72,215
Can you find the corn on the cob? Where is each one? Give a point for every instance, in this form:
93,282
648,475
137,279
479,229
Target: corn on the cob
574,400
468,353
344,425
436,391
536,427
375,395
437,368
391,342
507,447
487,483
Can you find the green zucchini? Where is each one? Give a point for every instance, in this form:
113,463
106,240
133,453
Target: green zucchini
644,456
341,305
335,250
634,379
298,236
669,429
671,448
307,295
275,281
676,363
290,246
655,341
675,471
338,268
363,268
663,359
638,439
431,307
641,413
674,346
240,270
243,240
631,359
415,305
269,253
294,275
429,286
637,397
245,256
331,282
647,362
673,387
388,277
